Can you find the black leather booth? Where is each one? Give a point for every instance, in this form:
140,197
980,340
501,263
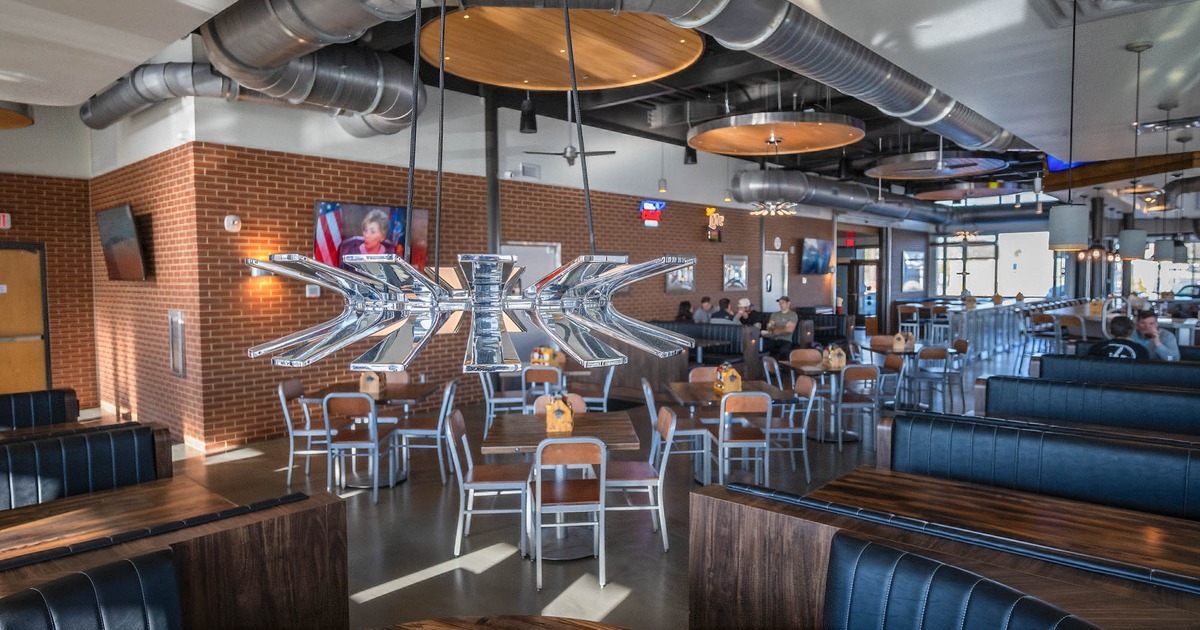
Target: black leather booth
1168,410
871,585
139,593
1067,367
730,333
37,471
1149,474
32,409
1186,353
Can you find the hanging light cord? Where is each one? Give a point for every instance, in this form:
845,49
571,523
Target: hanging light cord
441,143
587,189
1071,127
412,128
1137,100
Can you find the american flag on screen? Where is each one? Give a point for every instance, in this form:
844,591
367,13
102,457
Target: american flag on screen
329,233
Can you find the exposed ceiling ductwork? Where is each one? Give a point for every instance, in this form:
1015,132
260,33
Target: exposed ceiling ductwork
785,34
814,190
282,48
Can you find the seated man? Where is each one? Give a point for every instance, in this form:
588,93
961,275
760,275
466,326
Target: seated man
1120,346
724,314
747,315
1161,344
704,313
780,327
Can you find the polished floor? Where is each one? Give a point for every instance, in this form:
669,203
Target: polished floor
402,565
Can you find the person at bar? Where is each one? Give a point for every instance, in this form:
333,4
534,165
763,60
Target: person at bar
1161,344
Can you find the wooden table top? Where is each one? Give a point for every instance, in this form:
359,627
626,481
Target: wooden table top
521,433
504,622
1137,538
392,394
62,428
702,393
88,516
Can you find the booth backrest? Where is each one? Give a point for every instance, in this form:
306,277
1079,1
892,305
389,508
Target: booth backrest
1137,407
731,333
1153,475
1186,353
871,585
139,593
1067,367
30,409
37,471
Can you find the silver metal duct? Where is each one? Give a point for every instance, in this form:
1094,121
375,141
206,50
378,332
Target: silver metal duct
785,34
154,83
972,215
814,190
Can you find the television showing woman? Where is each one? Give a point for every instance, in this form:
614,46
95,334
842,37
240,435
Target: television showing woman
373,240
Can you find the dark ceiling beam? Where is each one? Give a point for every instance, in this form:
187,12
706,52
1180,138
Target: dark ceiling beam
710,70
1119,170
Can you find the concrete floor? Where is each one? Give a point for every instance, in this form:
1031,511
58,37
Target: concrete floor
401,559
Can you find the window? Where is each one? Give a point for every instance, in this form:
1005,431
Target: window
965,265
1010,263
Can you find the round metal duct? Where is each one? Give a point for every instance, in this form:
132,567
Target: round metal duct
772,133
935,165
15,115
967,190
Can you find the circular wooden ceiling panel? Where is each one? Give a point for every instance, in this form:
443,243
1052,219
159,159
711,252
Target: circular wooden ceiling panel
527,48
770,133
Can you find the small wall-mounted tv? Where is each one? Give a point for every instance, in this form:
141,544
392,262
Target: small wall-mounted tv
815,256
122,248
353,228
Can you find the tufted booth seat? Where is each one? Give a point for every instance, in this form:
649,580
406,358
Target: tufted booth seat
1067,367
1186,353
1135,407
870,585
34,409
1153,474
731,333
41,470
139,593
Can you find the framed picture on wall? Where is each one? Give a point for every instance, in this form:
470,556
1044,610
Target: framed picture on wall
912,273
681,280
734,273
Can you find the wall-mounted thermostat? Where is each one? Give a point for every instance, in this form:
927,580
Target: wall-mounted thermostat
312,290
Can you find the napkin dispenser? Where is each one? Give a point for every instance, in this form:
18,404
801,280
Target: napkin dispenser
1020,296
728,380
559,418
835,358
1095,307
997,299
969,302
903,342
370,383
544,355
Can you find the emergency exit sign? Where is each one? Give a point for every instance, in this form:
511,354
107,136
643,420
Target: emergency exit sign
5,220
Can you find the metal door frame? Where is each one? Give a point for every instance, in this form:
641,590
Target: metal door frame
784,276
40,249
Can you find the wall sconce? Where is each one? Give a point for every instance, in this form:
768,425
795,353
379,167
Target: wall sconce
256,272
233,223
528,115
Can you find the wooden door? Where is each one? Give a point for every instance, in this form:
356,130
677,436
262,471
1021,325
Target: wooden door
24,334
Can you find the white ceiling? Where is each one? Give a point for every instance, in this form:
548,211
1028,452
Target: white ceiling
996,56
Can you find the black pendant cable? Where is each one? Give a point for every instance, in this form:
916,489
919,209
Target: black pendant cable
412,127
1071,127
574,96
441,142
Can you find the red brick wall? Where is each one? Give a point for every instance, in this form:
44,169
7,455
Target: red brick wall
54,211
804,290
131,317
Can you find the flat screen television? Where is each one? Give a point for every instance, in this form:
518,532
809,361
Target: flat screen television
119,240
354,228
815,256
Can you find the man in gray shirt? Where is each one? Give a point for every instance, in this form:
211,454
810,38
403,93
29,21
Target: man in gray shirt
703,315
1161,343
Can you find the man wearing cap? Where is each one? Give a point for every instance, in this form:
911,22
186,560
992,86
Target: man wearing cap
1161,343
779,331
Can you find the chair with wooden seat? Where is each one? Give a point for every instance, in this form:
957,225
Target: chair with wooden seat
808,397
894,386
574,401
705,374
357,439
877,347
910,320
691,434
483,480
858,387
735,432
538,380
316,438
428,430
771,371
1067,325
939,325
596,396
558,496
646,476
930,374
399,377
809,356
497,400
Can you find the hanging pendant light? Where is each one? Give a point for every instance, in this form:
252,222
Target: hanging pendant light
662,168
1164,250
528,115
1133,241
1069,222
1180,254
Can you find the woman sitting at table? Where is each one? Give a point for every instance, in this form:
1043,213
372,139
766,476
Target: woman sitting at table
685,312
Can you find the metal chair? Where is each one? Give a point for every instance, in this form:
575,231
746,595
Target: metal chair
691,434
596,397
895,389
537,380
356,437
484,480
808,395
705,374
560,496
930,374
939,325
429,428
647,477
498,401
857,390
574,401
737,433
910,321
316,439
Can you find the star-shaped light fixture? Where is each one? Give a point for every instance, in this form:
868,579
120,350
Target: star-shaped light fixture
774,209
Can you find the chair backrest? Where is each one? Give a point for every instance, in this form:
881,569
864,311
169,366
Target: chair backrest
893,361
880,343
448,395
289,391
663,438
456,436
940,311
961,346
399,377
351,405
860,378
1073,322
807,356
929,353
806,386
485,378
570,451
542,374
702,375
771,371
745,402
908,313
575,401
648,394
1041,318
608,378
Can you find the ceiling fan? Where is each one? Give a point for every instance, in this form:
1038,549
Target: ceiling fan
570,152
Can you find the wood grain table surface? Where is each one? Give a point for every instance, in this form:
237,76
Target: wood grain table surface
62,428
392,394
504,622
1140,539
521,433
84,517
702,393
